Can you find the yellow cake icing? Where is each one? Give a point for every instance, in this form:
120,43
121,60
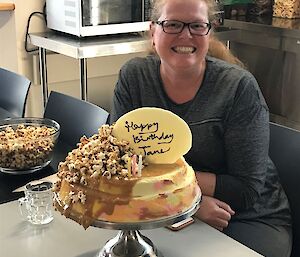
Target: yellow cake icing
162,191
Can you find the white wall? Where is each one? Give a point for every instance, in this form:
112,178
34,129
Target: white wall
12,35
8,46
63,76
63,72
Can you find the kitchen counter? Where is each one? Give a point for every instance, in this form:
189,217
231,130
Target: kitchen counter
270,32
270,49
280,26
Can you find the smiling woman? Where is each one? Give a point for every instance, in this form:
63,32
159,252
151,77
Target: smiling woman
227,115
215,49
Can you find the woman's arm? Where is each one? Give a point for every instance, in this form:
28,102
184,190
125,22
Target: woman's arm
246,142
212,211
207,182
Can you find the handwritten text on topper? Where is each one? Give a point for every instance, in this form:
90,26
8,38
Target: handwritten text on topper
158,134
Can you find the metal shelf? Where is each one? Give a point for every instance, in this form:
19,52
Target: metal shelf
90,47
82,49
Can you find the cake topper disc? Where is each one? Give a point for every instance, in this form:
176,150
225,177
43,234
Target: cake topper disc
159,135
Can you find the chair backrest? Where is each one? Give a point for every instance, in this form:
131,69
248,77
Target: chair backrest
285,153
76,117
14,90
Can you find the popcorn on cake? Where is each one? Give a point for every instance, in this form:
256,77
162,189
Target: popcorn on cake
100,155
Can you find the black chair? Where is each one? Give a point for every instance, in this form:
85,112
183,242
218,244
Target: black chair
76,117
14,90
285,153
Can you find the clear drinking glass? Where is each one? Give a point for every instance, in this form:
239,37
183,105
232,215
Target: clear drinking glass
37,205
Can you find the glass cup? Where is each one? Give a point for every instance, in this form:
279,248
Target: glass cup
37,205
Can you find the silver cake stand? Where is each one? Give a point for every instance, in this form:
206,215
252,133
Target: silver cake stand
130,242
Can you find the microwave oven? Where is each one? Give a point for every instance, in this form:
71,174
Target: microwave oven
98,17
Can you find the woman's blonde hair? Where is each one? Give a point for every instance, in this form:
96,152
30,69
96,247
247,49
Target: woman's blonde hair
217,48
157,6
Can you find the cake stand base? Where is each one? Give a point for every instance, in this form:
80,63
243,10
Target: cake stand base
129,243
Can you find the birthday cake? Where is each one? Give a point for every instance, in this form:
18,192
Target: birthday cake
109,178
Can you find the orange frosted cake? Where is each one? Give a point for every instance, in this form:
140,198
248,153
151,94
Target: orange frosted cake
103,179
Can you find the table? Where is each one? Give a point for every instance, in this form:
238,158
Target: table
82,49
64,237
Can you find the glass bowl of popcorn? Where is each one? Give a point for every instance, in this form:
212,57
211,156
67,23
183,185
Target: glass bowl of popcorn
26,144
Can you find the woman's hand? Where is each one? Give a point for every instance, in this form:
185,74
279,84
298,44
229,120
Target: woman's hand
214,212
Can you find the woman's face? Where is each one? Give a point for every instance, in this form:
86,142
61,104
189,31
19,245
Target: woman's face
183,50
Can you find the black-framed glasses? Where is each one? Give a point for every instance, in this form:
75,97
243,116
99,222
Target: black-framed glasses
198,28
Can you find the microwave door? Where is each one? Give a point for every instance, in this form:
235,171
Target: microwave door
101,12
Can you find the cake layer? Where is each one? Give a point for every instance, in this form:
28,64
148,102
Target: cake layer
163,190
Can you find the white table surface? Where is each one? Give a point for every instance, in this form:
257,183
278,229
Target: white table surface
65,238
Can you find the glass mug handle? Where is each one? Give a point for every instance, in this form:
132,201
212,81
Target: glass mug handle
23,207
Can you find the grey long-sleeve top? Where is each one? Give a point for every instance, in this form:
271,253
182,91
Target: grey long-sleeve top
229,120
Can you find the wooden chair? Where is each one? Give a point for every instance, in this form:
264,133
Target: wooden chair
76,117
14,91
285,153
